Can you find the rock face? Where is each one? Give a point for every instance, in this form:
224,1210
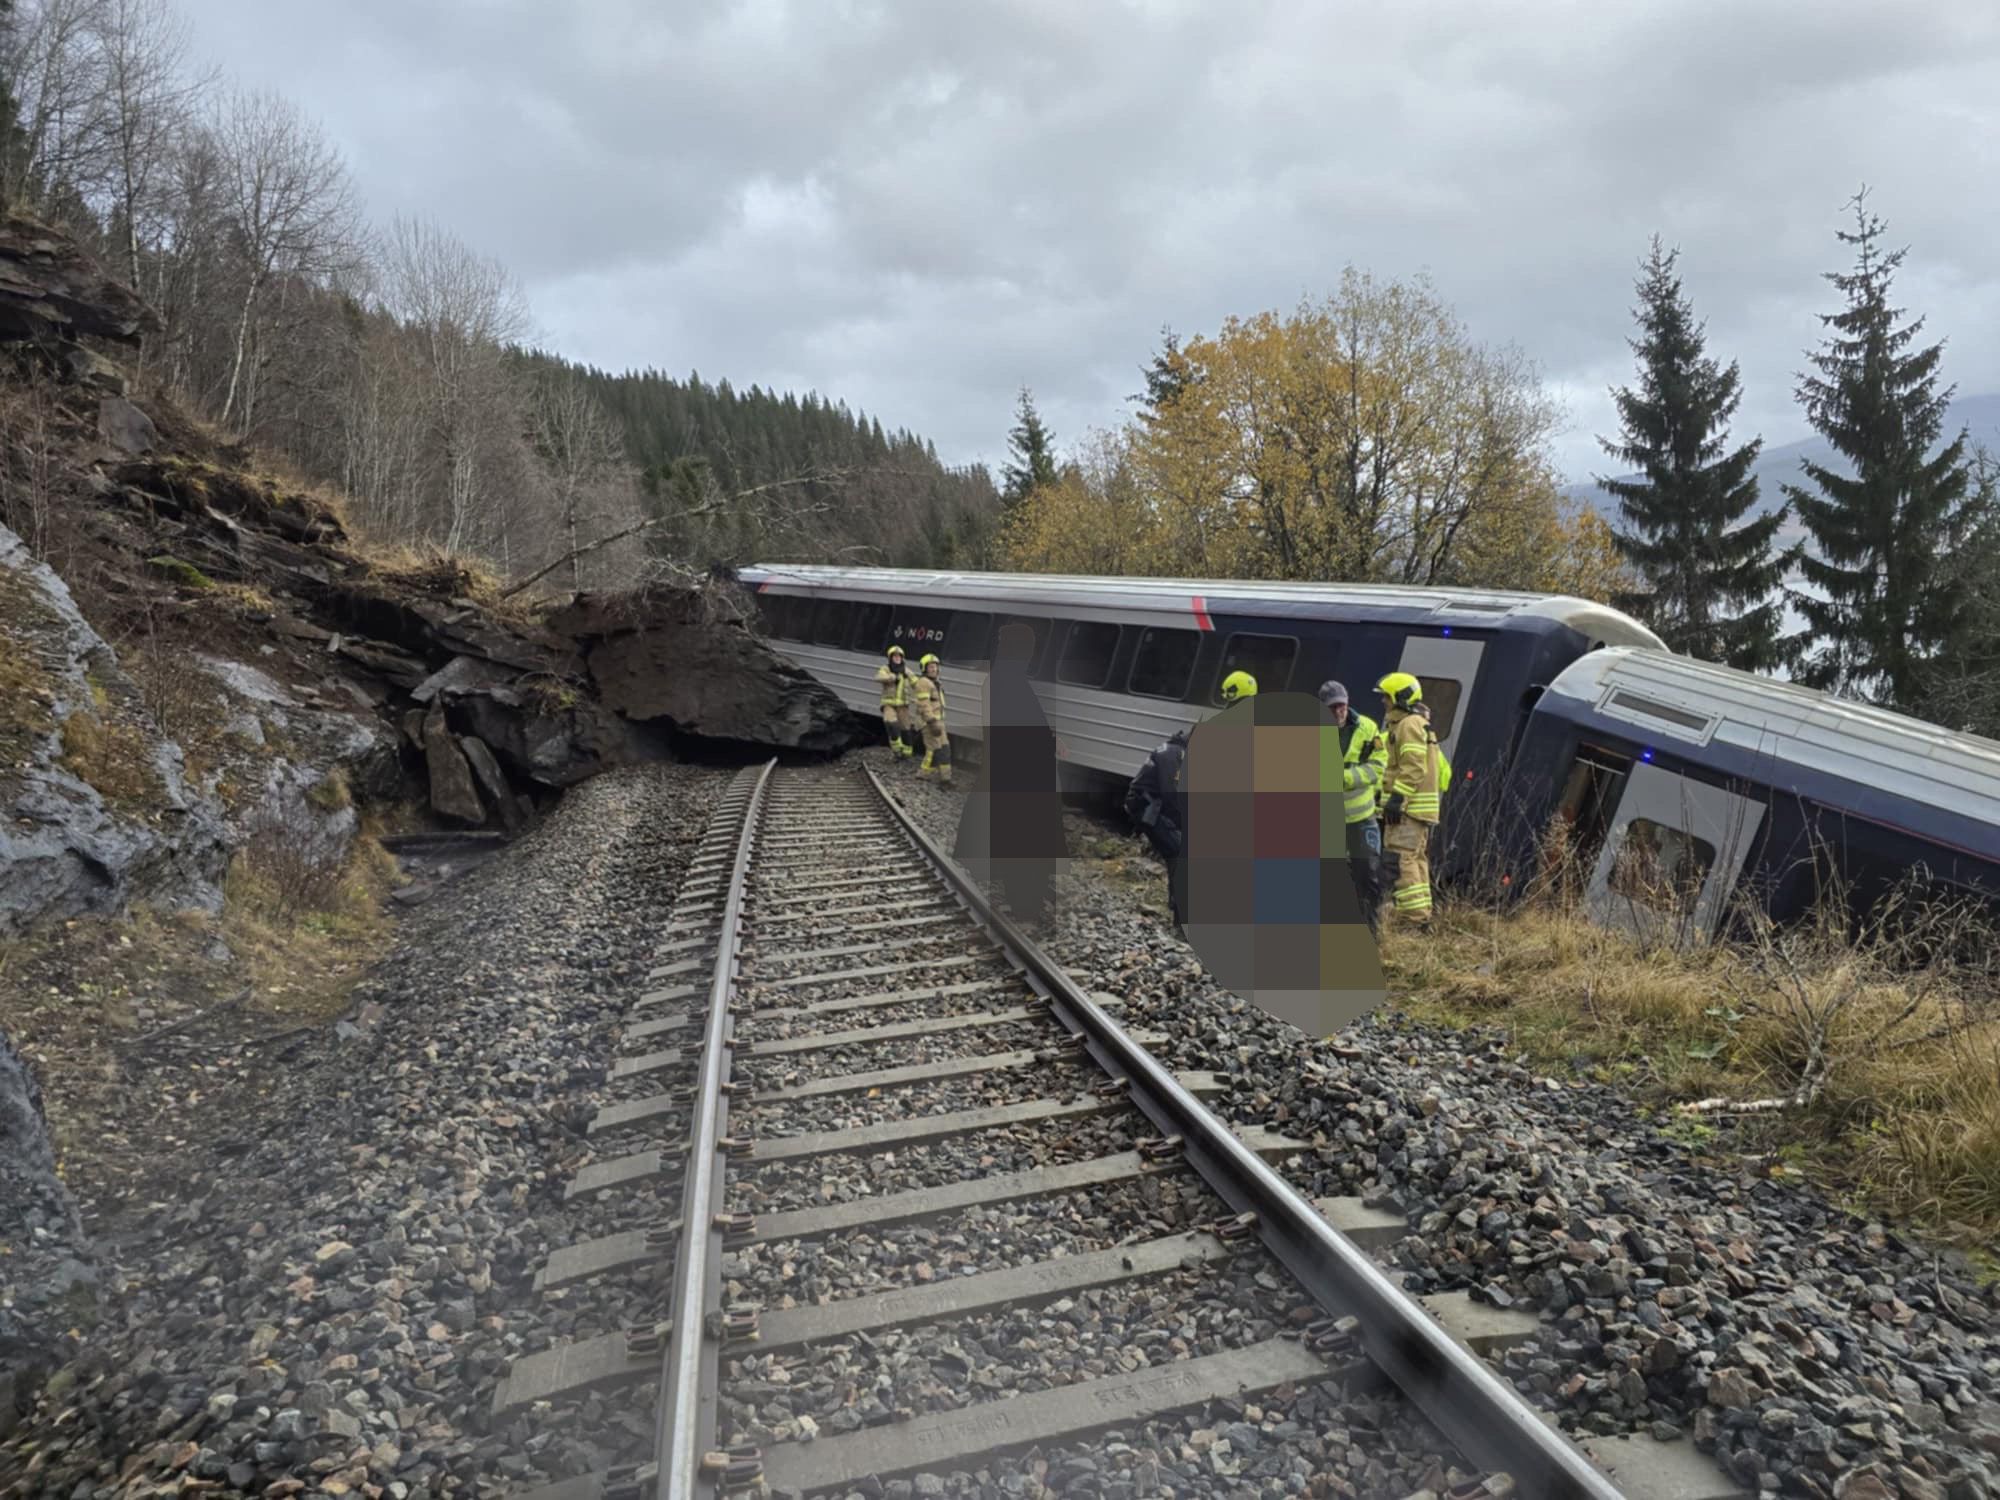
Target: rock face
52,293
46,1279
94,803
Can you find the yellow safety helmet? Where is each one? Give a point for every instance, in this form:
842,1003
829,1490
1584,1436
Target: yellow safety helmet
895,648
1238,685
1401,689
928,661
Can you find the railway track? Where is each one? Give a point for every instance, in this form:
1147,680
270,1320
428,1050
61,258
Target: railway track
851,1044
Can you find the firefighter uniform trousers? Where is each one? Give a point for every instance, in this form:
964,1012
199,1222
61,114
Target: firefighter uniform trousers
927,697
895,709
1406,847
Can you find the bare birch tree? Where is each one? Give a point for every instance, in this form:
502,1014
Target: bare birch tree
149,102
591,482
289,206
463,308
55,69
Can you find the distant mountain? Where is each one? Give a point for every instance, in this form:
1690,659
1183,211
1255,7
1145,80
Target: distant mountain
1979,415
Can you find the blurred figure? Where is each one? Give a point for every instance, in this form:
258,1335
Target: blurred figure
1157,802
1011,830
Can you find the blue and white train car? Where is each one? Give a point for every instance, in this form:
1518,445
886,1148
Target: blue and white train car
1683,783
1121,663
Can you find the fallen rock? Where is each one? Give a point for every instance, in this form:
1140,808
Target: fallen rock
124,426
453,793
492,779
686,658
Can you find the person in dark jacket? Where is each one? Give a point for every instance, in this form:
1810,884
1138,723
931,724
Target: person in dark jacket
1011,830
1155,802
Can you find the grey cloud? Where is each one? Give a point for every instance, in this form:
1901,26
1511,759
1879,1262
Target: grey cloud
918,207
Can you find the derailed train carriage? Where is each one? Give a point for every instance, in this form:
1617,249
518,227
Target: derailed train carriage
1122,663
1680,785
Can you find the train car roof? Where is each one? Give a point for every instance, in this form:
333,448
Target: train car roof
1198,597
1676,702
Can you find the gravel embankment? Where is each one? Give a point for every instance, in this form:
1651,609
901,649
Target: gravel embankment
1815,1354
327,1288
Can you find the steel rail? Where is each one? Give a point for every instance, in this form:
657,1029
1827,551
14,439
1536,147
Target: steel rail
682,1424
1489,1422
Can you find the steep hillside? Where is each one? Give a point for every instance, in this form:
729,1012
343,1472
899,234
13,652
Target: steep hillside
213,697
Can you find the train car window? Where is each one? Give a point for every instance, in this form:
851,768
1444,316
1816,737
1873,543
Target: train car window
1040,626
1268,658
1163,665
969,637
833,622
794,617
1087,653
1661,867
1442,694
871,627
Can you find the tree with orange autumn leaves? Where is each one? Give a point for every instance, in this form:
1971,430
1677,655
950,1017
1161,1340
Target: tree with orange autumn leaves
1363,437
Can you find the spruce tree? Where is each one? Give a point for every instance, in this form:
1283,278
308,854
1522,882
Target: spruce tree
1711,575
1032,453
1886,601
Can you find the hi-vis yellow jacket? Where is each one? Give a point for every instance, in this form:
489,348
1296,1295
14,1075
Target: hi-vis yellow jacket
1414,760
891,682
927,696
1362,767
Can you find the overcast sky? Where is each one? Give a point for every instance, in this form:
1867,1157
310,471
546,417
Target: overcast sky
920,207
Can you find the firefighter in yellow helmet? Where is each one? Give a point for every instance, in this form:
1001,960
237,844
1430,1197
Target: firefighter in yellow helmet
1411,801
927,702
893,678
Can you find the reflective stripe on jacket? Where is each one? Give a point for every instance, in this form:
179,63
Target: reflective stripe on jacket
891,682
927,694
1363,761
1412,772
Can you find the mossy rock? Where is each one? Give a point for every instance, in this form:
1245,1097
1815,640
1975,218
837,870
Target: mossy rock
183,574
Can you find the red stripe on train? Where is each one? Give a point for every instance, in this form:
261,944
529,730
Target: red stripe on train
1201,619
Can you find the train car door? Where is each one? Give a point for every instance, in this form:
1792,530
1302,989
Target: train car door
1672,856
1447,668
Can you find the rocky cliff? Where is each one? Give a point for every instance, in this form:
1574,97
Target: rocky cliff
266,654
198,661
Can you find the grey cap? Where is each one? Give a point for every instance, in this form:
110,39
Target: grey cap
1331,693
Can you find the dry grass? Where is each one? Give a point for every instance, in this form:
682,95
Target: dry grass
115,758
304,924
1837,1056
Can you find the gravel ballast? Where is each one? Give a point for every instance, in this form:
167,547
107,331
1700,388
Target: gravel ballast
1812,1353
333,1279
